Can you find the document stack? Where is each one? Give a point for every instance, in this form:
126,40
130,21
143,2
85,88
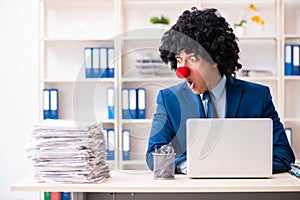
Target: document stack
149,65
69,152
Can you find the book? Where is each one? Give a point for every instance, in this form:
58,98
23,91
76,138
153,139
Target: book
88,62
47,195
55,196
110,102
125,145
141,103
288,55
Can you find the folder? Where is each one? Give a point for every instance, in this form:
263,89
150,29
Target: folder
47,195
288,55
46,104
125,145
103,62
106,141
66,195
110,102
141,103
288,132
88,62
125,103
296,56
132,103
110,62
110,144
55,196
96,73
53,103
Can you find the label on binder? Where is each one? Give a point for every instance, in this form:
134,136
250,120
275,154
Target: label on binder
88,63
96,63
110,62
110,102
125,103
103,63
141,99
132,103
125,145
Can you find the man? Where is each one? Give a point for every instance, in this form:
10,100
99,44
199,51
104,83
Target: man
202,47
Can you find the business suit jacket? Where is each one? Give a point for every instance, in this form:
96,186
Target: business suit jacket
243,100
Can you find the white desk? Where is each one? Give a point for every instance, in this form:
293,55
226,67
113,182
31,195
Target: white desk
143,182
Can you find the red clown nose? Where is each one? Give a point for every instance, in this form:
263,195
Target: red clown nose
182,72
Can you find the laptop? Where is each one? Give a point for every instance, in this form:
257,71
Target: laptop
229,148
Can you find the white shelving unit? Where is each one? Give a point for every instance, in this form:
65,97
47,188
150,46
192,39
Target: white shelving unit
68,26
291,84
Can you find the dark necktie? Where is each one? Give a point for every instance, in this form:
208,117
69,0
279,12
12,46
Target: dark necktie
206,104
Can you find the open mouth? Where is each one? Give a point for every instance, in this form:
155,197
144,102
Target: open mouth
190,84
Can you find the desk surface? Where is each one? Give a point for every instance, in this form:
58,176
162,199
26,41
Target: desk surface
143,182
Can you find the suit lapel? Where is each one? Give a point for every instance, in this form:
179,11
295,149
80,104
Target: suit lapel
233,97
190,103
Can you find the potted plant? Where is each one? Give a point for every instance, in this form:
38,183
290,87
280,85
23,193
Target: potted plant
240,28
159,24
160,20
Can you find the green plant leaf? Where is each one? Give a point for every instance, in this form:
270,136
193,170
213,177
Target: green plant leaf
159,20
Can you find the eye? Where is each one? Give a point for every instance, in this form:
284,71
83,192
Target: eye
193,58
178,60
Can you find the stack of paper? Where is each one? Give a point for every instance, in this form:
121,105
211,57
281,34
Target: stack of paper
152,65
66,151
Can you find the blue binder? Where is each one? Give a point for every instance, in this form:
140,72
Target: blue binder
96,72
110,62
88,62
53,103
46,104
110,144
125,103
125,145
132,103
288,55
66,196
103,63
296,57
110,102
141,103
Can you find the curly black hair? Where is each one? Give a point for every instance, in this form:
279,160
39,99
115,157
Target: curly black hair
206,33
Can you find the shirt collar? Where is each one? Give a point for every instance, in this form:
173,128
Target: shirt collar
219,88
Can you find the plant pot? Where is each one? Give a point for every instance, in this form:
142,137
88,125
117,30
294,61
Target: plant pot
159,29
240,31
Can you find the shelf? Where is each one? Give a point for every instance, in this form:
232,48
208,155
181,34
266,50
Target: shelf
76,1
76,39
258,37
133,162
293,78
132,38
126,2
136,121
151,2
92,80
292,36
263,78
151,79
108,121
292,119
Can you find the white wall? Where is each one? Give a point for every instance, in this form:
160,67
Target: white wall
19,91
